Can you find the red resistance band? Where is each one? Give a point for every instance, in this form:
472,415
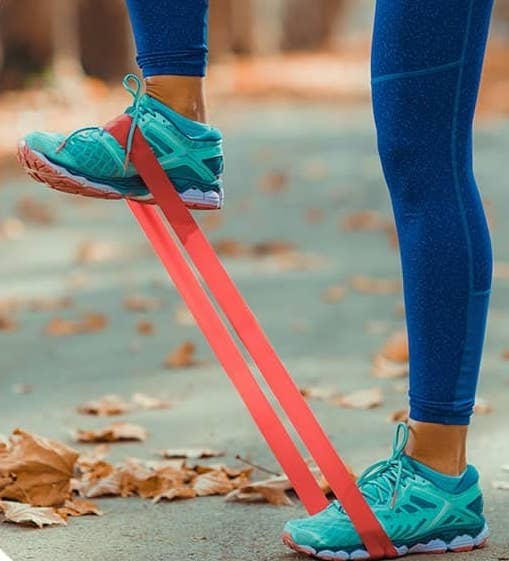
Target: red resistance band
245,324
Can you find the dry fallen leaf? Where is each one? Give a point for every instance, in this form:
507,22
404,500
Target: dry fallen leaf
334,293
361,399
11,229
78,507
90,323
191,453
396,347
116,432
391,361
49,304
213,483
314,215
227,247
105,406
145,327
184,317
319,392
370,285
35,212
182,357
144,401
7,323
274,182
36,470
272,490
366,220
21,513
175,493
399,416
138,303
95,252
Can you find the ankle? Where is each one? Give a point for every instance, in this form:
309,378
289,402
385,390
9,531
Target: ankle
440,447
183,94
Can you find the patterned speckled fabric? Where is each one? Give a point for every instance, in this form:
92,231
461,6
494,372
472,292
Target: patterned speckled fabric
426,66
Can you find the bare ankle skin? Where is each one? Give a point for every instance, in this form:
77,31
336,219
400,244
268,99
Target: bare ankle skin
183,94
440,447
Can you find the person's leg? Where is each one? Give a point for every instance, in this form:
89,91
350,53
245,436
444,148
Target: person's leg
171,40
426,64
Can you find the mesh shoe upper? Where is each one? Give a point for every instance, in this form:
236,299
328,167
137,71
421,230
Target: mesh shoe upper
190,152
411,508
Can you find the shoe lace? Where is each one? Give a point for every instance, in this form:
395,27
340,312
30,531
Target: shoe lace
383,480
136,91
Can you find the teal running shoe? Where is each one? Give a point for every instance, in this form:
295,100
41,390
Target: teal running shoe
91,162
420,515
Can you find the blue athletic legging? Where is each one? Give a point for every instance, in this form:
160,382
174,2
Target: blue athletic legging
426,65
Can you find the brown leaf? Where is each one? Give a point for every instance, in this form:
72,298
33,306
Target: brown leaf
273,247
319,392
272,490
296,261
334,293
116,432
7,323
191,453
11,229
97,483
370,285
182,357
396,347
49,304
175,493
95,252
361,399
78,507
184,317
145,327
36,470
138,303
274,182
385,368
314,215
227,247
105,406
90,323
398,416
36,212
367,221
21,513
214,482
505,354
144,401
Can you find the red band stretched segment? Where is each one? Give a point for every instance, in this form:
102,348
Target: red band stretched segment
252,336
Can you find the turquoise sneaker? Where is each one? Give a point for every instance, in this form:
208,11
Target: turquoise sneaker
420,515
91,162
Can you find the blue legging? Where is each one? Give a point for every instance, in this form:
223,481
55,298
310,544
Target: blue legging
171,36
426,64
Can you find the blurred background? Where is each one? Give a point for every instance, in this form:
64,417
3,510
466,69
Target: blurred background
307,233
80,49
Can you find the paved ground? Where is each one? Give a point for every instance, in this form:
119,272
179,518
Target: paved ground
331,162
